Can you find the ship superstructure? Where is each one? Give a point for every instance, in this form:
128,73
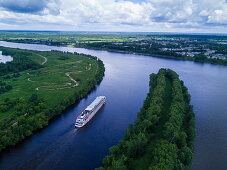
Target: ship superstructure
90,111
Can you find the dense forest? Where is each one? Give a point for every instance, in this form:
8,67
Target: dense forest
162,136
29,105
4,87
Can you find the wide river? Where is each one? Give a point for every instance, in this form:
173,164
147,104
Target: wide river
61,146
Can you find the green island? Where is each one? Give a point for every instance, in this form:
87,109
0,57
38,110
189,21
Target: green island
37,86
162,136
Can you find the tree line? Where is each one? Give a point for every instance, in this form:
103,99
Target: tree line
148,47
153,49
20,62
162,135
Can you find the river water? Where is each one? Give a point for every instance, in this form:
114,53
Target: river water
126,82
5,58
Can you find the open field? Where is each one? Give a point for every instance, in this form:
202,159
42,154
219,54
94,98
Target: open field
57,76
60,80
66,36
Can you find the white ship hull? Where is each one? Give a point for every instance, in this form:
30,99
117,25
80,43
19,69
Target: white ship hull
81,122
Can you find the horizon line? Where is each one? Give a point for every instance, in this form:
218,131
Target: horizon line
142,32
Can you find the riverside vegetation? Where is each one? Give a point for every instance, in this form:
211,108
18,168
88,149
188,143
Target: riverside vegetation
36,86
210,48
162,136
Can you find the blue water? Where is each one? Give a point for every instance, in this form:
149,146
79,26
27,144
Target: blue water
126,81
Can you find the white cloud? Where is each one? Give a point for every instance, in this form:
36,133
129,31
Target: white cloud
218,17
121,15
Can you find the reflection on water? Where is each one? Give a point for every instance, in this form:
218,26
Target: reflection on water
5,58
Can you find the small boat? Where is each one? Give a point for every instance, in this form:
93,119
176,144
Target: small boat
90,111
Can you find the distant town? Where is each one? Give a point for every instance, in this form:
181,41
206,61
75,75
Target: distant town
191,48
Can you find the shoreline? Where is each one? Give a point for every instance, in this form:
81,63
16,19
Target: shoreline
71,101
126,52
149,55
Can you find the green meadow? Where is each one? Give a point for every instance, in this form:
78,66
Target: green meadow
38,94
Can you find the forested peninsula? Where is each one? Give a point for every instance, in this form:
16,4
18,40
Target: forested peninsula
37,86
162,136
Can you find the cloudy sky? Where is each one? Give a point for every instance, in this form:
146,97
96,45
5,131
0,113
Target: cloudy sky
203,16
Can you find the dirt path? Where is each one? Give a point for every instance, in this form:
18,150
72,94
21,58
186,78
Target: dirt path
63,86
73,80
29,79
45,59
88,67
59,86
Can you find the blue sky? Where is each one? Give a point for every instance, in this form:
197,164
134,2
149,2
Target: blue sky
200,16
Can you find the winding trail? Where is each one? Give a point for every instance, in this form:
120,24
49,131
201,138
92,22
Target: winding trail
72,79
63,85
45,59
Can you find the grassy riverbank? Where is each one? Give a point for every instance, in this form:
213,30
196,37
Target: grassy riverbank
162,136
40,85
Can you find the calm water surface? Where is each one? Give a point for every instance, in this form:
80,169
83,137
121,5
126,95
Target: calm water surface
5,58
61,146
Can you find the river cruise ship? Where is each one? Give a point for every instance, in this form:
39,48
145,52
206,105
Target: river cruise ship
90,111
